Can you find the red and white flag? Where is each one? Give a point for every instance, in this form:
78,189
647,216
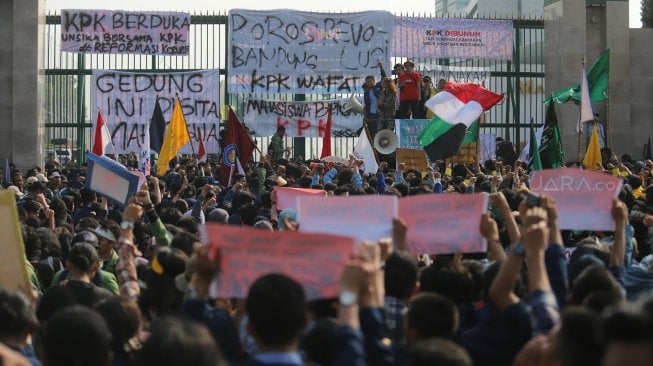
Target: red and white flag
102,136
201,152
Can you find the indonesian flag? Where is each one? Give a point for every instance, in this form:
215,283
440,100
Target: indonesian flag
455,108
326,141
201,152
102,136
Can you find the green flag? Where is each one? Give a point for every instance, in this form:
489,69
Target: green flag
597,80
472,133
551,153
534,162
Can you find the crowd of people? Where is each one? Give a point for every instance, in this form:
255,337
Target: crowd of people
129,285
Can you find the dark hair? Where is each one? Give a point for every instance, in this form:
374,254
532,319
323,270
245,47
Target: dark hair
240,199
276,306
578,340
16,315
248,213
185,242
77,336
400,275
596,288
173,341
432,315
190,224
456,285
83,256
170,215
161,295
123,318
441,352
320,342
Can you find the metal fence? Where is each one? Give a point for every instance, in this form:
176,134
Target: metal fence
68,83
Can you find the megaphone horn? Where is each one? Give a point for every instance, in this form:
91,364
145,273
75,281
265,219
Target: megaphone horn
386,142
354,106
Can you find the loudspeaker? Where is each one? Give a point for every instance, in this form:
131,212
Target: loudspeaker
354,106
386,142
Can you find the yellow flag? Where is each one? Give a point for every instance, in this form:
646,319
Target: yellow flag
593,154
175,137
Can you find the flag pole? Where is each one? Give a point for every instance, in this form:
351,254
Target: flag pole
608,135
579,129
192,148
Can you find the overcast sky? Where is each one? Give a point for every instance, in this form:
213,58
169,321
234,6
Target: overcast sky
395,6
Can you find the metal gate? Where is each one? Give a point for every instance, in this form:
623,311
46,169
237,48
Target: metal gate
68,80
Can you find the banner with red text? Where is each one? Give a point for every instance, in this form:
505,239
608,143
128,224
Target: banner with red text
453,38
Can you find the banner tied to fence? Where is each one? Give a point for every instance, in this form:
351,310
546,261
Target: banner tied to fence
453,38
131,32
287,51
302,119
127,101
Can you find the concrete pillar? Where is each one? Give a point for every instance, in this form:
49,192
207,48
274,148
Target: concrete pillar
22,98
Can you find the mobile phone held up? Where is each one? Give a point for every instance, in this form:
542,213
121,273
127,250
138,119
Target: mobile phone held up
532,200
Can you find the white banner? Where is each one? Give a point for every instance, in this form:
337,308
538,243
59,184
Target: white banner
301,119
287,51
117,31
453,38
127,100
474,75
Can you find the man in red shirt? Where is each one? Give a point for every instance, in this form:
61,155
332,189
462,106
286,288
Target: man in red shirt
409,91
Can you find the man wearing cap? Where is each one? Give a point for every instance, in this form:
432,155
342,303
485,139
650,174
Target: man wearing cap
108,232
54,186
409,91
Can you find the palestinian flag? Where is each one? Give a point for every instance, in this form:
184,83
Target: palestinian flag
455,108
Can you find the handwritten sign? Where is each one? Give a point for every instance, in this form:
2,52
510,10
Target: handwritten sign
360,217
444,223
301,119
287,197
453,38
583,198
13,271
408,131
127,100
107,177
458,74
412,158
288,51
117,31
313,260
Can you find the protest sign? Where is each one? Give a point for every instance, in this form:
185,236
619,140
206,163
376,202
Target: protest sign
360,217
127,101
444,223
287,197
412,158
453,38
583,197
457,74
110,179
13,271
488,146
313,260
289,51
118,31
408,131
301,119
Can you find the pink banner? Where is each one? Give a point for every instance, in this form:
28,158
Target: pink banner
360,217
313,260
287,197
583,197
444,223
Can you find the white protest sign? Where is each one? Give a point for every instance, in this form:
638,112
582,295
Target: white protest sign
127,101
301,119
117,31
360,217
13,271
287,197
453,38
457,74
288,51
444,223
583,197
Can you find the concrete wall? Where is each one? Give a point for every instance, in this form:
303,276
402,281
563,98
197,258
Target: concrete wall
573,31
22,99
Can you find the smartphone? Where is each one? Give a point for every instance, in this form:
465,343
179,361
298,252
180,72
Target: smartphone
532,200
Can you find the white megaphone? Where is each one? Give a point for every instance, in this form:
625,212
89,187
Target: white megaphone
354,106
386,142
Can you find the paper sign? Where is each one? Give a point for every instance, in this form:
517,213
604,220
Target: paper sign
583,197
13,272
444,223
412,158
287,197
360,217
110,179
313,260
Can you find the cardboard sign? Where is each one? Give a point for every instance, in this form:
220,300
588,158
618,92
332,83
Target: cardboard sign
13,271
313,260
583,197
110,179
287,197
360,217
444,223
413,158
